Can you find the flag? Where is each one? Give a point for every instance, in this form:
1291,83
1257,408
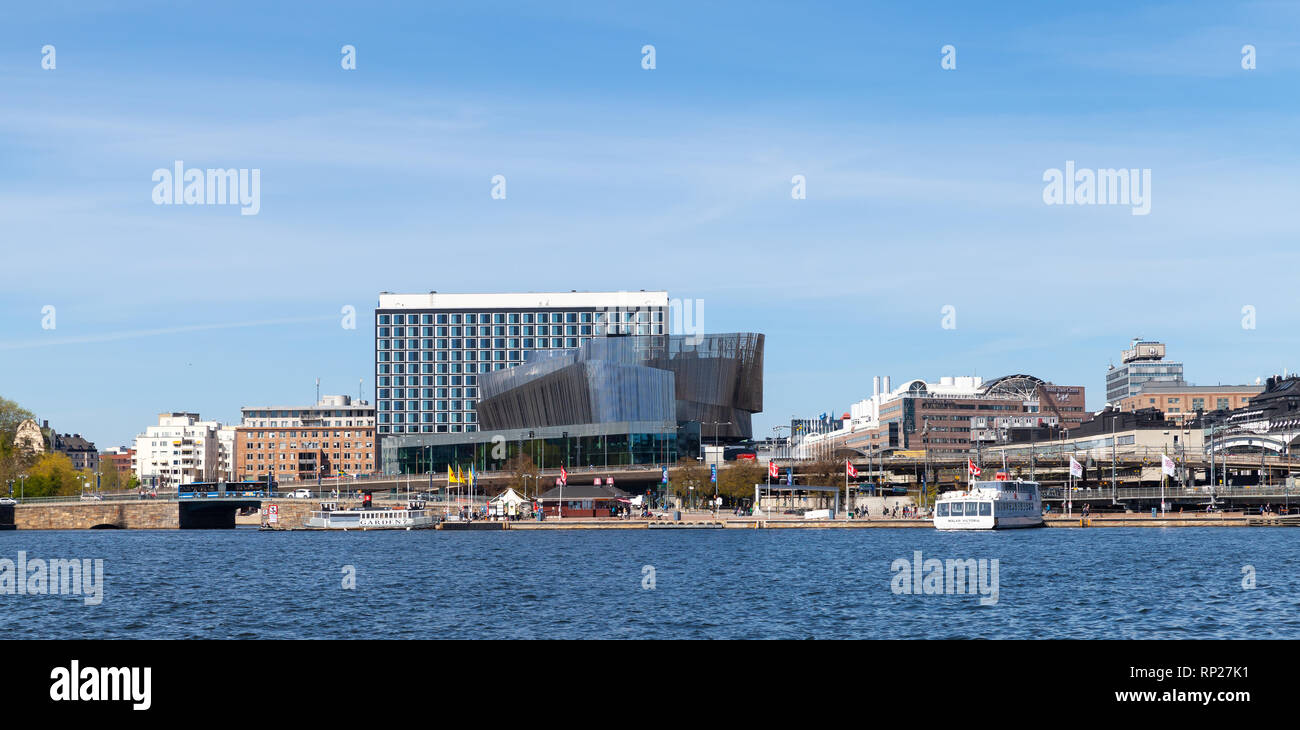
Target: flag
564,476
1076,469
1167,465
971,468
454,478
771,470
471,475
849,470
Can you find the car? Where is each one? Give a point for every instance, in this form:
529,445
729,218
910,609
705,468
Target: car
92,498
300,494
6,500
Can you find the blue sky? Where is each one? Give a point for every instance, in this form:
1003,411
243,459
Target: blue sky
924,187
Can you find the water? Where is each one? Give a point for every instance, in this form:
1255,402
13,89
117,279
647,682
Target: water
1053,583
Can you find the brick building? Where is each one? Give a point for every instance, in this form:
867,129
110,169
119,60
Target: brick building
1180,401
336,436
948,417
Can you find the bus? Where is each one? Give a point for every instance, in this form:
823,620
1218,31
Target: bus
216,490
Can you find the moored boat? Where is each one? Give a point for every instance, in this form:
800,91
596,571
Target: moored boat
330,517
990,505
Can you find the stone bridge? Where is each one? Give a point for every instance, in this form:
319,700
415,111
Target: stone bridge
150,514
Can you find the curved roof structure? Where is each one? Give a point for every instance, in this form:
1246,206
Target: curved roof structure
1020,385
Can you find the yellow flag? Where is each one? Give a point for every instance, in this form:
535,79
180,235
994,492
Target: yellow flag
451,477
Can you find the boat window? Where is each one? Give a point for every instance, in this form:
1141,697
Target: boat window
957,509
986,509
943,509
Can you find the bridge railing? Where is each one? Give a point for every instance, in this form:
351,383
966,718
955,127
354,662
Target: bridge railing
1198,492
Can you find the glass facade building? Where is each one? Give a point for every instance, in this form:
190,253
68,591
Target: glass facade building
595,445
432,349
1144,362
612,401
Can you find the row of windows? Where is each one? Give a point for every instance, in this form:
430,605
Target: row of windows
442,428
428,405
252,435
428,393
443,417
305,444
455,355
640,315
401,369
349,413
279,424
428,380
395,334
285,457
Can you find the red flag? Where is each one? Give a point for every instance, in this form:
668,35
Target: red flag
771,470
564,475
848,468
971,468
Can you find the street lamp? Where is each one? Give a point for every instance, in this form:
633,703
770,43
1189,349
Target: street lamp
715,425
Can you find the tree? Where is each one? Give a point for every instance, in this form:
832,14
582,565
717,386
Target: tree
825,472
523,473
737,481
54,476
12,414
687,474
13,462
110,479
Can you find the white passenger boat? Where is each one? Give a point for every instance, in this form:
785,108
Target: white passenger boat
329,517
990,505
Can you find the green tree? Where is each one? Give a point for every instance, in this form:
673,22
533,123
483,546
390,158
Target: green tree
13,462
12,414
686,474
110,479
54,476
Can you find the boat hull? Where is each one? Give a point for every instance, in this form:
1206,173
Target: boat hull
370,520
986,523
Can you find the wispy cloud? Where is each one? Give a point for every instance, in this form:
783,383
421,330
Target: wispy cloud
54,341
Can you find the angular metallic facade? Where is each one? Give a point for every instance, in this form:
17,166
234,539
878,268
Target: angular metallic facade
715,380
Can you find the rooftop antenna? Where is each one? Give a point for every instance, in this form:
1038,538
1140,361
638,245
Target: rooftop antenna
359,381
318,390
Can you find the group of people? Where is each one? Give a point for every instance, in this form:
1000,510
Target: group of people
905,511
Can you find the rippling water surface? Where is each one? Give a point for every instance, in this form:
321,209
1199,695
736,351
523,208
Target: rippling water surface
1053,583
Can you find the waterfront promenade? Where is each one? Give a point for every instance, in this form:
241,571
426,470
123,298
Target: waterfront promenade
165,514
